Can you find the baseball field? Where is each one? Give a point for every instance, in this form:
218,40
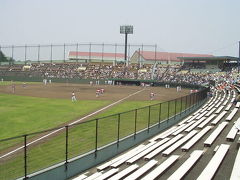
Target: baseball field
35,107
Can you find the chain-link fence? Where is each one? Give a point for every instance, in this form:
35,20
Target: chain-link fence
77,52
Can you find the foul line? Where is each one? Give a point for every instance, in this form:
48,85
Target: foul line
21,147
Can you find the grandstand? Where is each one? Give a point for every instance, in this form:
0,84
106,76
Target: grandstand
150,57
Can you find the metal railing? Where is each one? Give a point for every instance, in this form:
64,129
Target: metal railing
23,155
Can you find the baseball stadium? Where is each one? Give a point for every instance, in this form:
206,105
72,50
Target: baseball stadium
90,111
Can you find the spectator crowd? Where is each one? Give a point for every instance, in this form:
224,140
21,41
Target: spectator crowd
161,73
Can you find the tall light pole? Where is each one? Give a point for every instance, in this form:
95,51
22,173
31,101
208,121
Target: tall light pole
126,29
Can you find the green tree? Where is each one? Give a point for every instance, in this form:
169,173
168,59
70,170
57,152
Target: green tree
3,58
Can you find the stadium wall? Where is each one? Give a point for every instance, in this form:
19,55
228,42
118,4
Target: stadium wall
101,81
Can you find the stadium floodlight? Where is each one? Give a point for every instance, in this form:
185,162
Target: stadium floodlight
126,29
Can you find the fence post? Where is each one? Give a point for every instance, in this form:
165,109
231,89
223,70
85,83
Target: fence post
135,125
77,52
96,138
38,54
90,49
175,109
64,48
149,114
160,109
25,55
118,133
181,108
168,110
190,104
66,150
25,156
51,46
12,52
195,99
186,104
198,102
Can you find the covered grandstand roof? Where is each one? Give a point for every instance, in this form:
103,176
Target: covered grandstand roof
168,56
95,55
212,58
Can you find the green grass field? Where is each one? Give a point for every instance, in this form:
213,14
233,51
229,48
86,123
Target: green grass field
21,115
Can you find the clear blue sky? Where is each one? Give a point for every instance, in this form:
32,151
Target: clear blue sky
191,26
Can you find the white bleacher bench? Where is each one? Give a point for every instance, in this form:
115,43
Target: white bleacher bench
219,117
124,172
237,105
215,134
107,174
183,128
107,164
214,163
209,105
210,108
81,177
205,105
225,102
141,171
196,138
215,149
163,147
232,114
185,120
218,104
193,118
234,130
148,150
198,111
125,158
187,165
179,143
203,110
210,112
219,110
161,168
190,128
228,107
93,176
235,175
205,122
174,130
232,134
201,115
159,136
